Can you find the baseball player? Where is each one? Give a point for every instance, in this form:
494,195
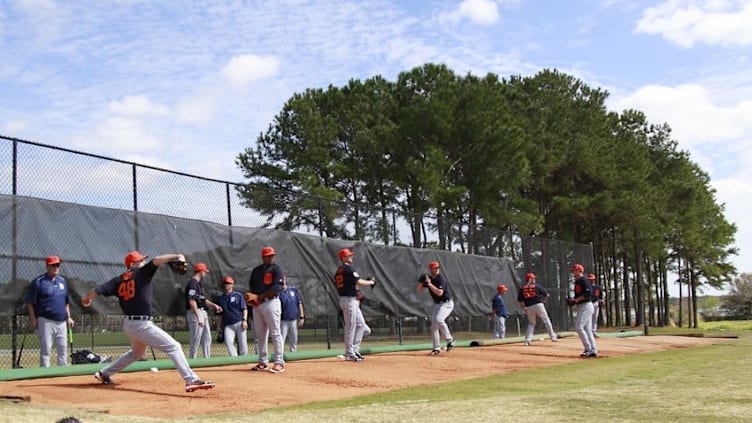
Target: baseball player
499,312
233,318
584,302
531,298
597,301
266,282
293,315
134,291
347,281
441,294
196,315
49,312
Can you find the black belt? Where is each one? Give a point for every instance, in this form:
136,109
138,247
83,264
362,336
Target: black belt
139,317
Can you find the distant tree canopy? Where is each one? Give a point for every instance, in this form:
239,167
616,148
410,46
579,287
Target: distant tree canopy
539,154
738,303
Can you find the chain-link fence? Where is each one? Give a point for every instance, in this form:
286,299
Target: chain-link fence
134,194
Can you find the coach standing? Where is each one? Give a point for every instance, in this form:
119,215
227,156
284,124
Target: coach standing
233,319
293,315
49,312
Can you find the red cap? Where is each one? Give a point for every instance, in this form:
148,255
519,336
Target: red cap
434,265
591,277
53,260
133,257
502,288
577,268
200,267
345,252
530,276
268,251
228,280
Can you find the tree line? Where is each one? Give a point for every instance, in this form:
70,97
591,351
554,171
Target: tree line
539,156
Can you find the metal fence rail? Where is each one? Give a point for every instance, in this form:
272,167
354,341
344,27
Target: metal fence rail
32,169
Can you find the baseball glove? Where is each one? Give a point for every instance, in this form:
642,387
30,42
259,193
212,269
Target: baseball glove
179,267
251,299
570,302
359,295
424,279
372,279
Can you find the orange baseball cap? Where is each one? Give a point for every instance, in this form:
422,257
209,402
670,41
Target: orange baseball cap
134,257
577,268
345,252
502,288
434,265
591,277
268,251
53,260
530,276
228,280
200,267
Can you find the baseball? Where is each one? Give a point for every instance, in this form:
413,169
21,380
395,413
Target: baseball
154,369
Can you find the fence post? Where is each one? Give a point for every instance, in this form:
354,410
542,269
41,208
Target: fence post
328,334
229,210
13,341
135,206
14,244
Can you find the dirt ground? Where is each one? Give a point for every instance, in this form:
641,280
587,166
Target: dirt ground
162,395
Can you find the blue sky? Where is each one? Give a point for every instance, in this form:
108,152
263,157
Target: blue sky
140,80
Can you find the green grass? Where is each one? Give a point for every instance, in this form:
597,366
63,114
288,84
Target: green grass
727,325
699,384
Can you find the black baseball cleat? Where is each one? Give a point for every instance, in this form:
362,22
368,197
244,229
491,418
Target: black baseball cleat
591,354
102,378
260,367
450,345
435,352
359,355
198,384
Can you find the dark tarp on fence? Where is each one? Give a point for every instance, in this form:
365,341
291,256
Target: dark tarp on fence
92,242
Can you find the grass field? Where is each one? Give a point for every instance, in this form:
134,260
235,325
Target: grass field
700,384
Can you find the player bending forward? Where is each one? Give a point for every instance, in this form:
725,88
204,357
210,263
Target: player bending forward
134,291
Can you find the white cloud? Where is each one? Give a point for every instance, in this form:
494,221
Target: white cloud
247,68
695,118
45,16
13,127
118,136
735,192
137,105
686,22
479,12
39,8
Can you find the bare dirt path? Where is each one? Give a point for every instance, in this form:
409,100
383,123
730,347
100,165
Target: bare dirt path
162,395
